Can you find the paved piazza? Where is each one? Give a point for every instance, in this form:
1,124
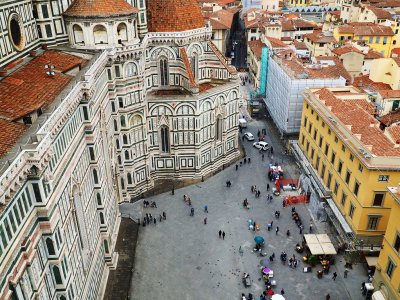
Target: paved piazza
181,258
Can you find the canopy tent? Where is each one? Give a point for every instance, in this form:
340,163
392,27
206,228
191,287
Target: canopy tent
372,261
319,244
316,249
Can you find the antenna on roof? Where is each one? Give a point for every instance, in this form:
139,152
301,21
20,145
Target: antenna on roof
50,68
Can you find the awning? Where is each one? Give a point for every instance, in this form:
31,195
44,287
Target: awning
378,296
328,248
339,216
316,249
311,239
319,244
372,261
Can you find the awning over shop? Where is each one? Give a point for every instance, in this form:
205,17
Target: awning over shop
316,249
371,260
339,216
328,248
319,244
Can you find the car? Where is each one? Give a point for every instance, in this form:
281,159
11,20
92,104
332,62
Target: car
261,145
249,136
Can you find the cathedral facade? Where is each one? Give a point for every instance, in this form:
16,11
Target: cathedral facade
99,100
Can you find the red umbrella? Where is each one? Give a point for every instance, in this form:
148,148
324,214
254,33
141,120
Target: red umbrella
270,292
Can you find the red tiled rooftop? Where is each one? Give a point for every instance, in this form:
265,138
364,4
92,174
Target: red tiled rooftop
30,88
389,93
345,49
364,82
256,47
173,15
359,121
366,29
99,8
391,117
9,134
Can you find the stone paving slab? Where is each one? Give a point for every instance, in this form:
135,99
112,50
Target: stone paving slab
181,258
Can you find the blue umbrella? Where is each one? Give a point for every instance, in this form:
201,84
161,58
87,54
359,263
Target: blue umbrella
259,239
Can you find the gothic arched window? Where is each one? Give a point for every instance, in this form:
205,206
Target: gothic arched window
218,129
194,63
98,196
164,139
50,246
57,275
164,72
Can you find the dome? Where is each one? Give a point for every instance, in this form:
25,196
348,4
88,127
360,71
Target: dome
173,15
99,8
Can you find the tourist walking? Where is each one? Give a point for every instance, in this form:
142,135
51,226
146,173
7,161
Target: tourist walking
346,271
155,221
164,215
267,187
223,235
277,230
334,276
220,233
311,227
205,220
328,297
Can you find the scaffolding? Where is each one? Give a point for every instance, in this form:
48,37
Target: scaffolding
263,71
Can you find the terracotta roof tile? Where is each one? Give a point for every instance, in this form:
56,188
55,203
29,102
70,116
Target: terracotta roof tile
256,47
222,58
389,93
173,15
380,13
366,29
391,117
99,8
345,49
188,67
9,134
30,88
319,37
364,82
361,122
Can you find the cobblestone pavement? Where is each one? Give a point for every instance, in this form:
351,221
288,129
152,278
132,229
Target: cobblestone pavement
182,258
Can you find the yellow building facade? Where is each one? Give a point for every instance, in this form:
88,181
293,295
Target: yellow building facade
299,2
377,37
387,275
338,147
386,70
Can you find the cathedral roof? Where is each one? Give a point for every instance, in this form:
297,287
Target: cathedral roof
173,15
100,8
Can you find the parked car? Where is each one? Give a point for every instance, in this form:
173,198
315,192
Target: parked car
261,145
249,136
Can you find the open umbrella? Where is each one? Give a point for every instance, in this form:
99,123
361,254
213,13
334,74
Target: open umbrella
270,292
266,270
259,239
277,297
264,262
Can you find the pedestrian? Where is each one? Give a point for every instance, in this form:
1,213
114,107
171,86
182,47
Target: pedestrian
254,226
205,220
248,160
245,160
220,233
164,215
311,227
272,150
252,188
240,251
277,230
346,271
271,259
223,235
160,218
155,221
258,133
328,297
240,163
237,167
269,226
267,187
272,223
282,292
301,229
273,255
262,156
283,203
334,276
206,208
